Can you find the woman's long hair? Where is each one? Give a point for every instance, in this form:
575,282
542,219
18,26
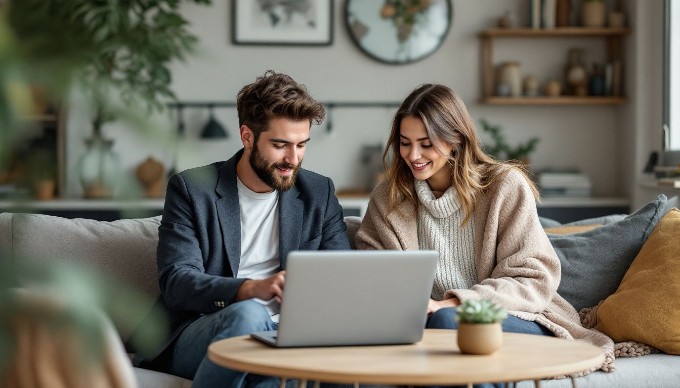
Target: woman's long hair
447,122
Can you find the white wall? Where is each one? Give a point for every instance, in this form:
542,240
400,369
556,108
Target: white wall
643,123
597,139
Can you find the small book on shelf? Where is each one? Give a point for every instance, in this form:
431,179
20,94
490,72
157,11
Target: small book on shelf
548,13
535,14
669,182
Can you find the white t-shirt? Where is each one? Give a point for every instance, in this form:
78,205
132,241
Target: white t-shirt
259,238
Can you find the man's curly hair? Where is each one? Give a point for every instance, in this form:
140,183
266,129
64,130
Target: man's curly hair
275,95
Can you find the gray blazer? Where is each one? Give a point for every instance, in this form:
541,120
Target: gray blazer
199,243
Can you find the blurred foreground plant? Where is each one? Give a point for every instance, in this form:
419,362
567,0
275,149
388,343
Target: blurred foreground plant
57,315
120,52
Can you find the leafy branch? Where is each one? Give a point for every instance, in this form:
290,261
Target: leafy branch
501,149
117,49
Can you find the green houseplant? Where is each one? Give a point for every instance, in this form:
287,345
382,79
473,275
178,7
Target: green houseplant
121,53
480,311
479,326
500,149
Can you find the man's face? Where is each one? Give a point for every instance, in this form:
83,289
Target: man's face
277,155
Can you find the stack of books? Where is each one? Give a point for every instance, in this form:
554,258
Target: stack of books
668,176
564,184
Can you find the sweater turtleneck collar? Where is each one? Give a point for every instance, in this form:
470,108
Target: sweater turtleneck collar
442,207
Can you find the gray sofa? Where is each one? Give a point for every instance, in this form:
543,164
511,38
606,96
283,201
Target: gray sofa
124,250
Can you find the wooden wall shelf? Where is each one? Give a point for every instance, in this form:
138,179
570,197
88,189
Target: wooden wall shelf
612,36
562,100
553,32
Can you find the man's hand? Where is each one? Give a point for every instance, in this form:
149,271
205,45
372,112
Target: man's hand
265,289
434,305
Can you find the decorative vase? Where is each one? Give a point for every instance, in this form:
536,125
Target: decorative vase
509,74
577,75
593,13
45,189
150,173
479,338
99,168
530,86
553,88
616,19
596,83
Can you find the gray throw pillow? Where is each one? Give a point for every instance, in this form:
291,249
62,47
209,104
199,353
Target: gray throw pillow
594,262
604,220
548,222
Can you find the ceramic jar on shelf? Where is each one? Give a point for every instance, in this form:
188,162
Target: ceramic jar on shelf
593,13
509,75
576,73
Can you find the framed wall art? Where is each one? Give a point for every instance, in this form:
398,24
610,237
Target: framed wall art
273,22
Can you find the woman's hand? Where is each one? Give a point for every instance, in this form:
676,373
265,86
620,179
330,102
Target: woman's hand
434,305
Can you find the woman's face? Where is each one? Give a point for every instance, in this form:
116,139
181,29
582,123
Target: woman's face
420,154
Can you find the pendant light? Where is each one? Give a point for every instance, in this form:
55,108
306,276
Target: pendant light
213,129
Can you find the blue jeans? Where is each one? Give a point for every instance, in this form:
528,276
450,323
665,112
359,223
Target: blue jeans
189,357
446,319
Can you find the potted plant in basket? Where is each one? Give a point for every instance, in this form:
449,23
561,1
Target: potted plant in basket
479,326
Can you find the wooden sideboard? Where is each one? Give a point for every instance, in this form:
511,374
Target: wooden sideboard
560,209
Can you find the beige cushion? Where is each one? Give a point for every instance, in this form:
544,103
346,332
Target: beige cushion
123,250
571,229
646,306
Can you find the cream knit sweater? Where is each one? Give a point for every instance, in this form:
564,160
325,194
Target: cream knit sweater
439,229
516,265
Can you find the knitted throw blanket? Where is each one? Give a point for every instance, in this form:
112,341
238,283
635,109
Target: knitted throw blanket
588,317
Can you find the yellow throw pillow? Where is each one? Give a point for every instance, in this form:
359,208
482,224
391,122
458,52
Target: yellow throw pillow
646,306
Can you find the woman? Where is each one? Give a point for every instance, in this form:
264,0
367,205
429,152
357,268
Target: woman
443,192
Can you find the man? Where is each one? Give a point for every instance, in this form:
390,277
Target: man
228,227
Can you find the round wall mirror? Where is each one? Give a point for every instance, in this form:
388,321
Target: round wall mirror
398,31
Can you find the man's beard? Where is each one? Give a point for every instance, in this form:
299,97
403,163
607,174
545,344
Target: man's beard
267,172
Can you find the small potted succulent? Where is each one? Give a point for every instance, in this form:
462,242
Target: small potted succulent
479,326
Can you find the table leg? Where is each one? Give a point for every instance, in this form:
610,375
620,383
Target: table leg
537,383
282,384
469,385
317,384
573,381
302,383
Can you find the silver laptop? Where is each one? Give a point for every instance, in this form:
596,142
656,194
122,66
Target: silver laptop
335,298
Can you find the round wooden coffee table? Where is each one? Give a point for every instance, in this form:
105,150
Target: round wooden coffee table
435,360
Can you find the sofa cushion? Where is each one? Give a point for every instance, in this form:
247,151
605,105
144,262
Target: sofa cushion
571,229
653,370
646,306
594,262
151,379
123,250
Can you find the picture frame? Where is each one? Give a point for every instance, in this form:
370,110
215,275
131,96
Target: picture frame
300,23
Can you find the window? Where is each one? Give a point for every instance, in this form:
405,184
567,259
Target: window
672,75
